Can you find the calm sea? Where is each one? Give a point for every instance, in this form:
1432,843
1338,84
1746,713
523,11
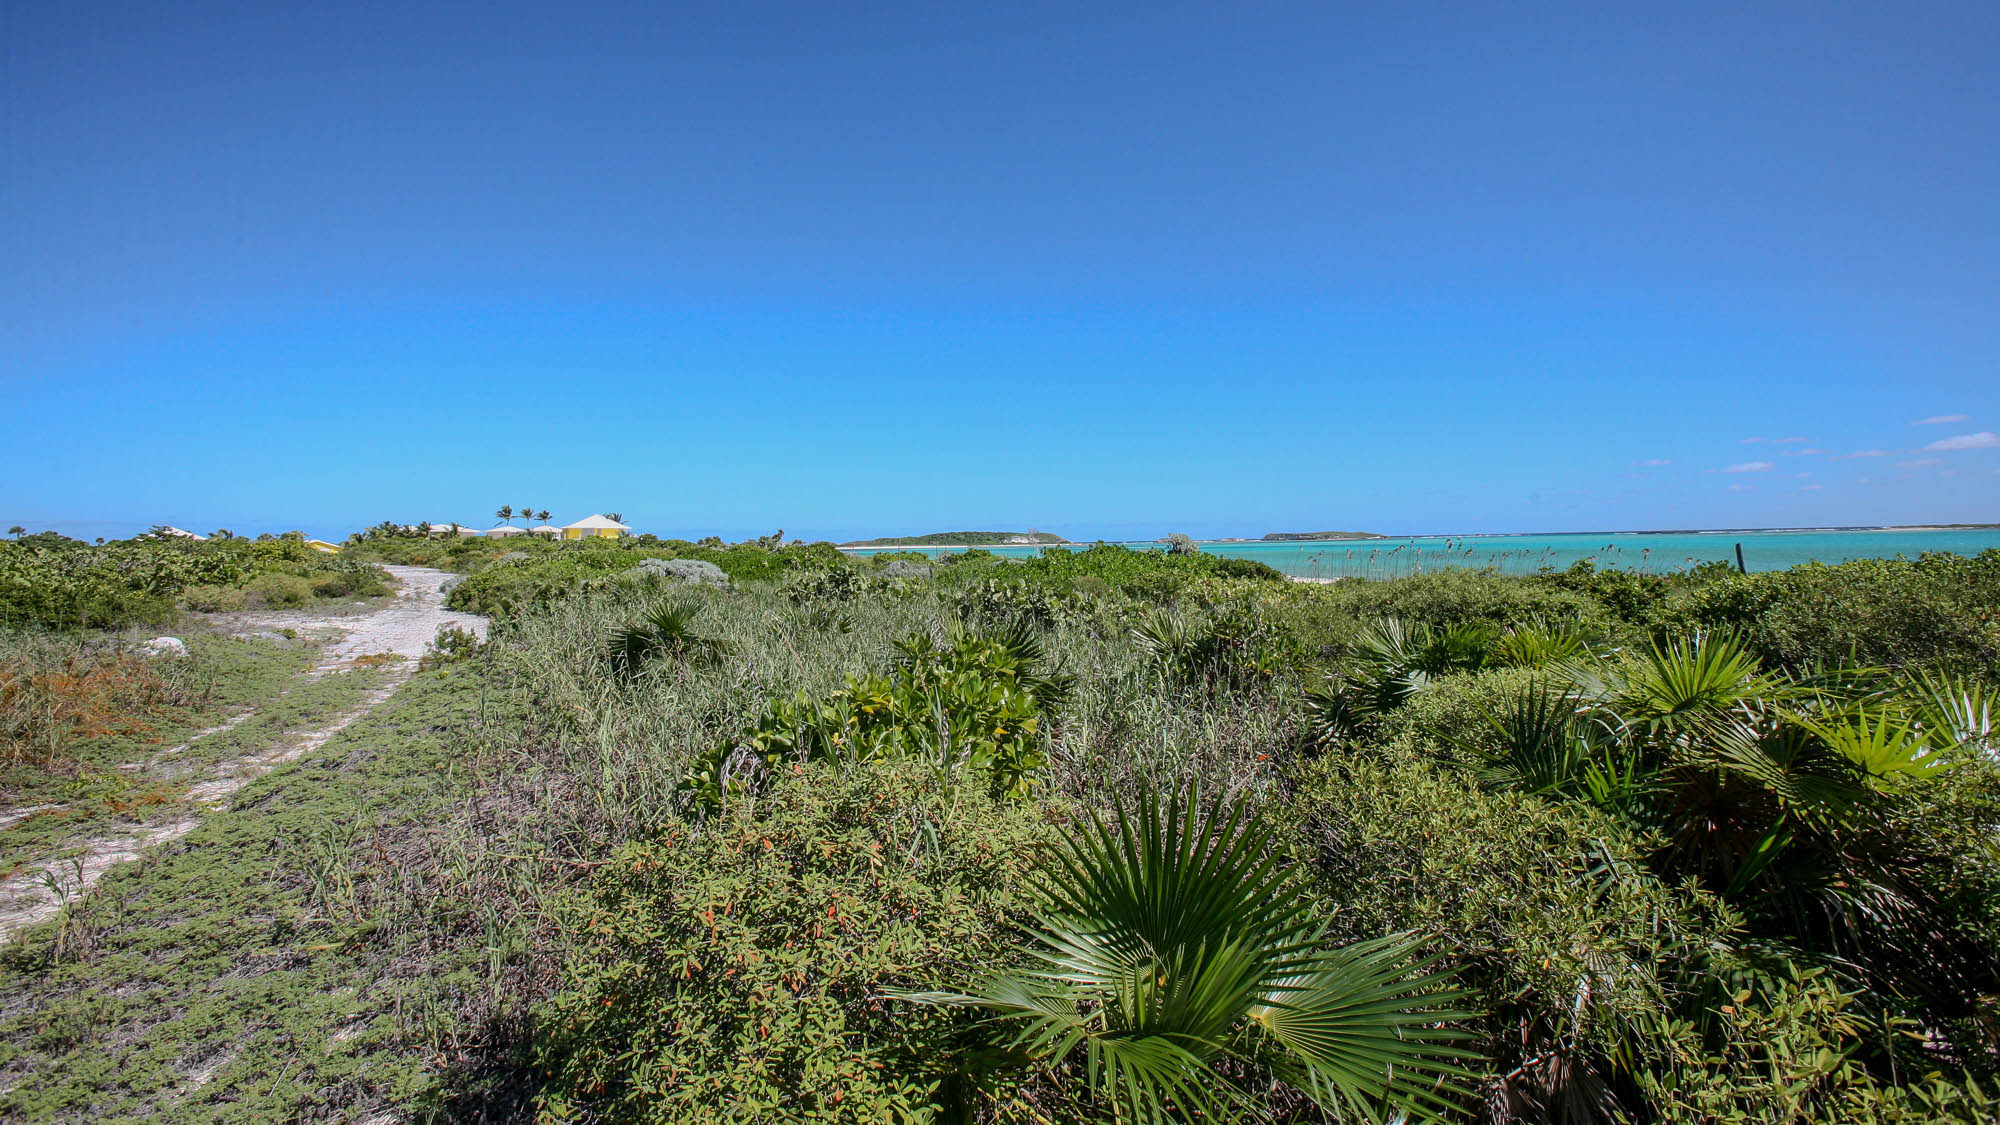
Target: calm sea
1526,554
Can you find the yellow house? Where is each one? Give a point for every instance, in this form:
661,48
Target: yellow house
323,545
597,527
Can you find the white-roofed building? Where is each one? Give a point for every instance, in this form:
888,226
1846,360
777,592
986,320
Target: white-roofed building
594,527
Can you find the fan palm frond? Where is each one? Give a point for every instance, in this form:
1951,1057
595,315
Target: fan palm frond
1171,938
1881,741
1956,710
1539,644
665,631
1670,687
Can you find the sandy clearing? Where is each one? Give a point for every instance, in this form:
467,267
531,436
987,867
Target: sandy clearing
403,628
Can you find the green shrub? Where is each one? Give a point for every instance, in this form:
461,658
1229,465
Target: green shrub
739,974
1454,596
52,581
543,571
1154,575
279,591
1939,608
1582,973
214,599
977,704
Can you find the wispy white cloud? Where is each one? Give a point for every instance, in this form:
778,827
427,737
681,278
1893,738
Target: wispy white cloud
1920,463
1800,476
1811,487
1654,462
1751,467
1941,419
1866,453
1742,487
1752,440
1787,440
1984,439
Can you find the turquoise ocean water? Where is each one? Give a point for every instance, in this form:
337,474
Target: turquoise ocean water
1525,554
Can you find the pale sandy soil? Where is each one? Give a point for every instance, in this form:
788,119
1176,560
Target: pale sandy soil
403,628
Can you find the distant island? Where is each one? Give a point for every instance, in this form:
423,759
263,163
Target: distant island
963,539
1298,536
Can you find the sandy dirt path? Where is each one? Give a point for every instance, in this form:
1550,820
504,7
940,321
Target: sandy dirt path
403,628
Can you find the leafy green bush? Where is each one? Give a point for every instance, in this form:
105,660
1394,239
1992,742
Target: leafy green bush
1580,968
665,632
740,974
1156,575
350,581
1181,971
1457,596
545,571
215,599
279,591
976,704
1938,608
51,581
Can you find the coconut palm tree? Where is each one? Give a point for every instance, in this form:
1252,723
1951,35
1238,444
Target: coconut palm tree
615,517
542,516
1181,965
506,513
17,531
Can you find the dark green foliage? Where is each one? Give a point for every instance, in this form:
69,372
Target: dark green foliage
543,571
1247,568
1578,962
1157,575
741,974
1795,801
665,633
1878,611
974,705
1179,969
1454,596
49,581
1229,648
1394,659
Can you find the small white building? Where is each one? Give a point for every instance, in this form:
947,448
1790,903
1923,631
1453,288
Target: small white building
505,530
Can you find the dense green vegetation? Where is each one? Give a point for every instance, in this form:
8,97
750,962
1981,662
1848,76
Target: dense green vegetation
960,539
1099,835
54,582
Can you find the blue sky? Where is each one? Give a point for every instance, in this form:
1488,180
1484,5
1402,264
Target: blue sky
1101,269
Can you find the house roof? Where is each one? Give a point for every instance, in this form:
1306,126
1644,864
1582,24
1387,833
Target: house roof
506,529
592,523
